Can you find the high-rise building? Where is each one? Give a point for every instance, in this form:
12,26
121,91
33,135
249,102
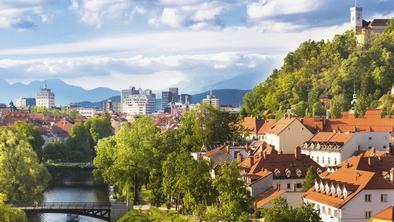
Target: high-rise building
212,100
45,98
25,102
143,103
166,98
185,99
127,92
175,94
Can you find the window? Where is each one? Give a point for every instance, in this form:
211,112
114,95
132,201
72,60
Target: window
335,161
370,138
368,214
328,160
322,159
299,186
335,213
317,159
288,186
368,198
383,197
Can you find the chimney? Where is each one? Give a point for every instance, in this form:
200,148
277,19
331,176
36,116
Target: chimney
369,161
297,153
392,175
373,150
239,157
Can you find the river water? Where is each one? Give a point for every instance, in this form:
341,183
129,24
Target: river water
71,185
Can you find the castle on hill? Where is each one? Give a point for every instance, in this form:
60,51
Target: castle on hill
365,30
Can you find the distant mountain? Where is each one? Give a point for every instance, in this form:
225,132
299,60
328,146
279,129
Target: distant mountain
232,97
64,93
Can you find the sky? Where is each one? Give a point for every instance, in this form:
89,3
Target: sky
192,44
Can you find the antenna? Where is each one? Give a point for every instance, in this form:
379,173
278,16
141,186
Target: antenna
45,84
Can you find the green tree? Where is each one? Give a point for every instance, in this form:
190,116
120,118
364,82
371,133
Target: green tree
22,177
57,152
32,134
9,214
299,108
310,177
318,109
234,199
338,105
99,127
78,144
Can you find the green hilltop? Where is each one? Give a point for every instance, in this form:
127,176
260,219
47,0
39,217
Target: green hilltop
328,69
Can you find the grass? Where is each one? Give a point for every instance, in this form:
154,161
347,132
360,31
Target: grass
154,215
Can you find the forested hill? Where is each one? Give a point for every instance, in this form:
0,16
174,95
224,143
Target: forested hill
328,68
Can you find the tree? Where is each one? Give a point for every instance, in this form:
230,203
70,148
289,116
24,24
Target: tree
234,199
57,152
32,134
99,127
280,211
299,108
318,109
206,126
78,144
338,105
22,177
9,214
310,177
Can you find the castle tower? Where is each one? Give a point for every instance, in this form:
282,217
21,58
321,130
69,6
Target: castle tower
356,19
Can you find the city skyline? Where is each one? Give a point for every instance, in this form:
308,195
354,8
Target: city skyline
191,44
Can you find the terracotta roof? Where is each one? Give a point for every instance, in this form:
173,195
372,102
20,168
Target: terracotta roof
313,124
282,165
368,124
217,150
354,180
267,196
280,125
266,126
252,123
386,214
331,137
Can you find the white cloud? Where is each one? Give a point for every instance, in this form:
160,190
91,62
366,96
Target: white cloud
271,8
15,16
96,12
192,72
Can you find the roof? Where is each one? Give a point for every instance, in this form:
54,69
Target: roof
268,123
280,125
370,123
252,123
386,214
379,22
314,124
267,196
331,137
354,180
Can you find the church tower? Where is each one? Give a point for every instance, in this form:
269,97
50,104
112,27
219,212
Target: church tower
356,19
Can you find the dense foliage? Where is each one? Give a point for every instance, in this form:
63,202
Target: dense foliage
310,177
330,69
141,155
22,177
9,214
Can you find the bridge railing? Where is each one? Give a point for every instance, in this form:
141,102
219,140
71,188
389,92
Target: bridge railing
64,205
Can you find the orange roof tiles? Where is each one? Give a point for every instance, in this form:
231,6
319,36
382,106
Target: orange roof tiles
252,124
386,214
356,180
267,196
266,126
280,125
331,137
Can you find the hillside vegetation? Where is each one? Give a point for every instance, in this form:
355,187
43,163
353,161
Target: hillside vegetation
328,68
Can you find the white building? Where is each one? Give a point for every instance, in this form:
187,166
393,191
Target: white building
350,195
25,102
87,112
212,100
331,148
45,98
286,134
143,103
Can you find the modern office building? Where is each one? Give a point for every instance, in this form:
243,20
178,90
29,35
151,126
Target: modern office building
166,99
174,94
45,98
212,100
185,99
143,103
127,92
110,106
25,102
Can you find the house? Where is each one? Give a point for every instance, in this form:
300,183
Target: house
386,215
331,148
286,134
349,194
252,126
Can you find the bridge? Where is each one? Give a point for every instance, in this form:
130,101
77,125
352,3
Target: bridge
95,210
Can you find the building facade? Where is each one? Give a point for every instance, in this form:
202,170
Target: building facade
25,102
45,98
143,103
212,100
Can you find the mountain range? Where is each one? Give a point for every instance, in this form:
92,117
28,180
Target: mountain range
66,93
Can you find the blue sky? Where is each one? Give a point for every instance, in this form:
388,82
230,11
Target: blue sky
192,44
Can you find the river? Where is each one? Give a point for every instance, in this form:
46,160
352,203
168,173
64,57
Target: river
71,185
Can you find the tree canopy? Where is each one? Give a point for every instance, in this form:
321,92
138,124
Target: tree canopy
330,69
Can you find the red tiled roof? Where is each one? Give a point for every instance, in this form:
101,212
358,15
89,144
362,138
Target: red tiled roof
331,137
386,214
280,125
266,126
